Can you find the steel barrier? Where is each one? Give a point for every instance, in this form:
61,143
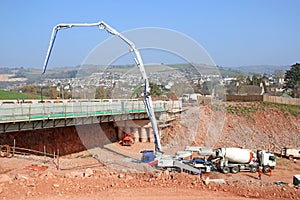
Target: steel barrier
41,111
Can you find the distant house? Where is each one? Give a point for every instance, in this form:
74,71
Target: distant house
250,90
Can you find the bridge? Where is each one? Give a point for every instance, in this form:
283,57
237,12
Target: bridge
32,115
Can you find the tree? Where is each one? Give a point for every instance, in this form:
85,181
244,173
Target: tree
30,89
155,91
255,80
240,78
103,93
292,80
248,81
50,92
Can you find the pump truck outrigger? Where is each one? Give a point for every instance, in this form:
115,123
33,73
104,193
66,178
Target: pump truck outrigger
162,161
137,59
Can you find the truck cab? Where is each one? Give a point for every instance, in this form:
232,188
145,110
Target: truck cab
266,160
290,153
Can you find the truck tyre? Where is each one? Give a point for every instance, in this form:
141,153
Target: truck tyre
235,169
4,150
291,157
265,169
253,169
225,170
179,170
194,173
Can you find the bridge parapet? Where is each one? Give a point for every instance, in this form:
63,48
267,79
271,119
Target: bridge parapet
16,117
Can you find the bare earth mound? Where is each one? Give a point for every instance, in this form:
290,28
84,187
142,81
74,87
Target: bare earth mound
247,125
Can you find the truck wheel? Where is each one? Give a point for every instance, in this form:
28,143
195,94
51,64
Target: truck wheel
291,157
179,170
253,169
225,170
194,173
265,169
4,150
235,169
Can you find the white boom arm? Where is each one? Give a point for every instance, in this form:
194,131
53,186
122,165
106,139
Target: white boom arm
137,59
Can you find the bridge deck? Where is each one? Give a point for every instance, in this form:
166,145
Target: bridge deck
17,117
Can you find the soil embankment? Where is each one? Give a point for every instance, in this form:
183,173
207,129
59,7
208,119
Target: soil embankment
66,140
247,125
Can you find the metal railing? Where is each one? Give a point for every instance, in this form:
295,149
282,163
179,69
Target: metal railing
44,156
41,111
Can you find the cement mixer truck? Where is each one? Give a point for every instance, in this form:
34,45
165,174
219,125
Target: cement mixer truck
236,159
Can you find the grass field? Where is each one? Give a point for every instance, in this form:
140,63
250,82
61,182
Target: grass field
293,109
11,95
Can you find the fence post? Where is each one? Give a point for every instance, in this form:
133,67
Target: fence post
44,112
57,167
45,153
87,109
14,148
65,110
29,112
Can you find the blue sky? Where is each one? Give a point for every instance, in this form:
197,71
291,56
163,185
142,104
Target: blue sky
234,33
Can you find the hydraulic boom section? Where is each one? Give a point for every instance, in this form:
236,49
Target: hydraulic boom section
137,59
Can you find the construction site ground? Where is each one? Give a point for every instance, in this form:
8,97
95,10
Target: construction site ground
86,178
114,172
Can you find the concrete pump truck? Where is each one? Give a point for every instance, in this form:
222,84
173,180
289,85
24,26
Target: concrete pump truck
158,158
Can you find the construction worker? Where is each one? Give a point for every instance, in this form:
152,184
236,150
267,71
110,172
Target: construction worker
270,171
259,173
200,173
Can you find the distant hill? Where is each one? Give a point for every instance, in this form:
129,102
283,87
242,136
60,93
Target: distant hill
261,69
230,72
9,75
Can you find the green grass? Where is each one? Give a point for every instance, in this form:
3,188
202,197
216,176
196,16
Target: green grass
293,109
241,109
12,95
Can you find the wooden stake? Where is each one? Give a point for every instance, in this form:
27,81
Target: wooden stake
45,153
14,149
57,160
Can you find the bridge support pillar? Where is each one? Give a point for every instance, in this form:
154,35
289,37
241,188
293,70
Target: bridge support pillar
120,133
150,135
127,130
136,133
143,135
